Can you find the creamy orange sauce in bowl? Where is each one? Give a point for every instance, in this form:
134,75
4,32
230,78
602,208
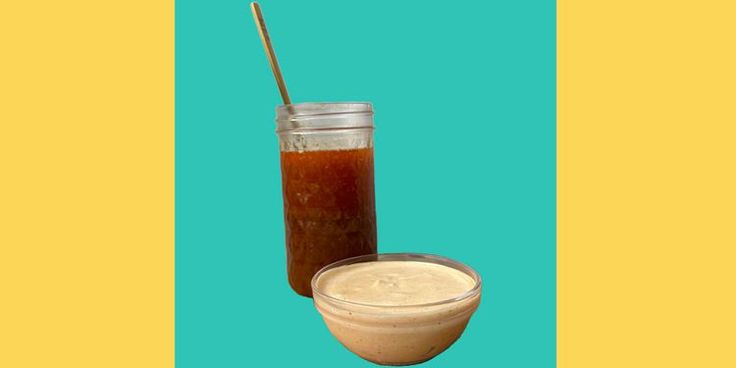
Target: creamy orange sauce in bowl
396,309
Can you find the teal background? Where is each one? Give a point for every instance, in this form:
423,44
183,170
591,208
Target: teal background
464,94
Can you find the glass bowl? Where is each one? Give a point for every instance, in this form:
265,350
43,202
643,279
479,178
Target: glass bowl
397,334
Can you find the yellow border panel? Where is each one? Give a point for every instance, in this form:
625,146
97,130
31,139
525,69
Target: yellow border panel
87,184
646,183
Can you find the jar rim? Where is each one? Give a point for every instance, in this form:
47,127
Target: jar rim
316,116
314,109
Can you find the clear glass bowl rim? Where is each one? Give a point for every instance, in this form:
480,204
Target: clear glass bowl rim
417,257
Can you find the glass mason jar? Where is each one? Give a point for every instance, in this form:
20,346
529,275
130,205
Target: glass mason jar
328,188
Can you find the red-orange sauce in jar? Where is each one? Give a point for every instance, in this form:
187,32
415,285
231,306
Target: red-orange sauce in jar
329,210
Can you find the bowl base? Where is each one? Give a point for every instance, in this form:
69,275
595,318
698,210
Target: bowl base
393,364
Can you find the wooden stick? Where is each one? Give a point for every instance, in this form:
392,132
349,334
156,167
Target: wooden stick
269,51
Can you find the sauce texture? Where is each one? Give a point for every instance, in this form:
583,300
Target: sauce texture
329,210
394,283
